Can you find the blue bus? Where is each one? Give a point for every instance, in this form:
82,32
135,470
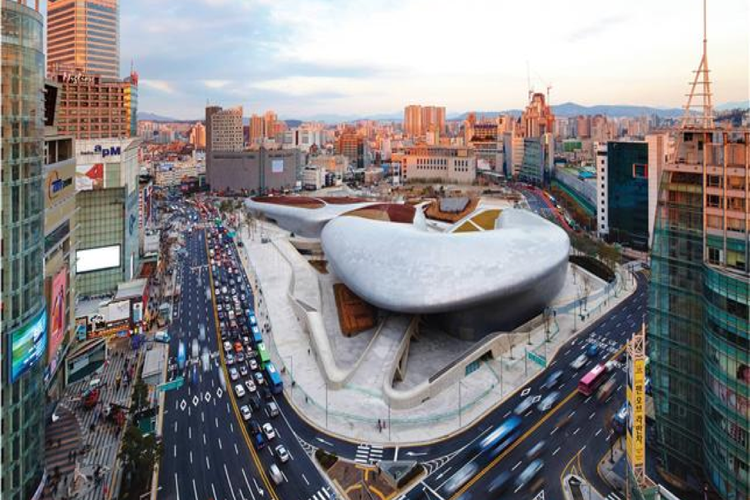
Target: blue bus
274,379
501,436
251,317
257,338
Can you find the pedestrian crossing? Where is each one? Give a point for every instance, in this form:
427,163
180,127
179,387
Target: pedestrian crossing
614,496
323,494
368,454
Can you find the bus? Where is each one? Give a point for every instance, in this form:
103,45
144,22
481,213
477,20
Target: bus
263,354
592,380
502,436
257,338
274,379
251,317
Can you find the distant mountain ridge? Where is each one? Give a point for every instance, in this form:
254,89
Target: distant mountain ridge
566,109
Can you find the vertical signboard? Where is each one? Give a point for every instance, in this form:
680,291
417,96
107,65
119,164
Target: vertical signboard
636,395
57,319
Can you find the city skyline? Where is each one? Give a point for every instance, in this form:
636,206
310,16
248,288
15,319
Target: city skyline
290,58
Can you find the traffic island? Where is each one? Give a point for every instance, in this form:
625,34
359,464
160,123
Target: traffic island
365,482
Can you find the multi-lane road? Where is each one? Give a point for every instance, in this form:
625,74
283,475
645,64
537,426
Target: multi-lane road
208,453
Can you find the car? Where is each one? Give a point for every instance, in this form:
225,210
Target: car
275,474
219,307
282,453
267,395
245,340
592,350
273,409
250,385
233,374
536,450
579,362
553,380
253,364
243,370
227,347
255,403
268,431
246,413
500,483
548,401
460,477
230,359
162,336
258,441
239,390
529,473
611,365
240,358
524,405
259,378
238,346
195,349
224,290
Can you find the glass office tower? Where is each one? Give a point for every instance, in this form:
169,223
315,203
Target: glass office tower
24,318
699,320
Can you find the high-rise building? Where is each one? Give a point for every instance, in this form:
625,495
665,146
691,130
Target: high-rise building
60,226
418,120
226,130
537,119
24,318
622,181
257,130
198,136
84,36
269,124
699,301
95,107
413,120
352,145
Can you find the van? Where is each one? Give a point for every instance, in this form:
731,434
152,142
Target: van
162,336
275,474
273,409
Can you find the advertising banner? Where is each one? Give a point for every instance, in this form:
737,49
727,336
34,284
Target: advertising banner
277,166
96,259
90,177
636,396
28,345
118,311
57,312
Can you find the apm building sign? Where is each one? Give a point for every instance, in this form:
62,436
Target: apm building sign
103,151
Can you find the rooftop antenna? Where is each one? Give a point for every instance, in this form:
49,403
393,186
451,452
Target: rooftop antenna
701,87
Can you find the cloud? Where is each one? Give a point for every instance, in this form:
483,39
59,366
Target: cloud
216,84
158,85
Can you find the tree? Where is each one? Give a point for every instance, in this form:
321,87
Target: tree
138,454
140,396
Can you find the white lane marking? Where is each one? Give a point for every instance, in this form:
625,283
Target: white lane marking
175,426
598,432
576,431
592,415
237,451
219,440
506,415
229,482
216,422
517,465
555,452
208,465
213,490
248,484
190,432
204,439
176,486
174,451
554,430
191,456
305,480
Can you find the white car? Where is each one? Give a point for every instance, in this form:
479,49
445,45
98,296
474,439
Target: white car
253,364
548,401
227,347
250,385
239,390
230,359
233,374
282,454
524,405
246,413
579,362
268,431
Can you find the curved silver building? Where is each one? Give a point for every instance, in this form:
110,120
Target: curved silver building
468,284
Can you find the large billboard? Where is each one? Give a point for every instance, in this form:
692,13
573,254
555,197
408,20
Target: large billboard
118,311
57,320
636,397
96,259
277,166
27,346
90,177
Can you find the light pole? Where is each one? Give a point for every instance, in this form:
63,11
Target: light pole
459,404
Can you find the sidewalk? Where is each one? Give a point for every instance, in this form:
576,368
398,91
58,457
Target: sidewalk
97,439
357,411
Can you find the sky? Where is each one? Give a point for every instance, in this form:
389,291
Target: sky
308,58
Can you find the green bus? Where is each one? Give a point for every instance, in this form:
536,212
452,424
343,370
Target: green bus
263,354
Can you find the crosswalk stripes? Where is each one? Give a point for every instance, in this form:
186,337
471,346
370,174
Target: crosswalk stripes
368,454
613,496
323,494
